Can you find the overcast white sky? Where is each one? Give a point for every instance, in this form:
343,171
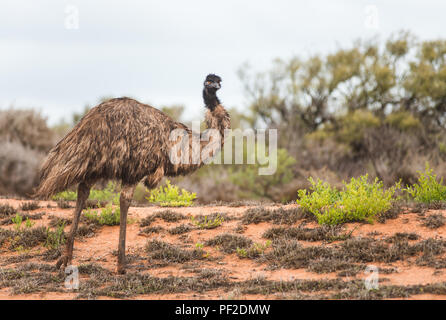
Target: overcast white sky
159,52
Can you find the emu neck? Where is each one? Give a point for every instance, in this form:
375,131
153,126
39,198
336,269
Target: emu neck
210,99
219,119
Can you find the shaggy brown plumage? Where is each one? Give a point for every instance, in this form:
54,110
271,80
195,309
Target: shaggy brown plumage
122,139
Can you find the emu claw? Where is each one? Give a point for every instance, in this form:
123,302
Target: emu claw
121,271
63,261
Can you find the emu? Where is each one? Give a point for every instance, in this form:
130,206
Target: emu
128,141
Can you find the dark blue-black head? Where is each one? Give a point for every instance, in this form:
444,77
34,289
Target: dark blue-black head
212,82
211,85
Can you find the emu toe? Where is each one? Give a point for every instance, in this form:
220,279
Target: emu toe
63,261
121,270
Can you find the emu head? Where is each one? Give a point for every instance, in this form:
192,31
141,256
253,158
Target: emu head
212,83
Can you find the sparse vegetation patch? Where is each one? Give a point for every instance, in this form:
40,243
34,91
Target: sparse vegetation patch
434,221
229,242
208,221
158,249
277,216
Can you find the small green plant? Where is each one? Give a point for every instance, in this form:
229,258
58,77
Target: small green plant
199,250
428,189
17,220
199,245
255,250
171,196
208,222
56,238
359,200
28,223
107,216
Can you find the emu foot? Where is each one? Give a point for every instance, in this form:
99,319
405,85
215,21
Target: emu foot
121,269
63,261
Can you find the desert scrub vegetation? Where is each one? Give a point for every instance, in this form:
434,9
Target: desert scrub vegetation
428,188
25,139
254,251
277,216
211,221
11,219
108,216
229,242
6,210
434,221
24,236
55,238
327,233
150,230
28,206
100,196
166,215
161,250
352,255
171,196
17,221
181,229
358,200
253,185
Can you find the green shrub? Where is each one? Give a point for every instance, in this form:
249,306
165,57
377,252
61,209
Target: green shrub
17,220
170,196
403,120
353,125
208,222
254,251
65,195
107,216
359,200
428,189
108,194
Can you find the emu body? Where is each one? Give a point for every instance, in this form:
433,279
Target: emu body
125,140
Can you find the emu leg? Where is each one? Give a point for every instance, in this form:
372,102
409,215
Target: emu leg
83,191
125,200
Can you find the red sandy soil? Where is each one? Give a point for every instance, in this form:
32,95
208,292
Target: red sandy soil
99,250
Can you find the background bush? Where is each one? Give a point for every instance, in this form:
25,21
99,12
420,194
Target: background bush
25,139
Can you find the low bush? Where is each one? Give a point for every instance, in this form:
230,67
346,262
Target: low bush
208,222
254,251
359,200
29,206
171,196
428,189
101,196
66,195
6,210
